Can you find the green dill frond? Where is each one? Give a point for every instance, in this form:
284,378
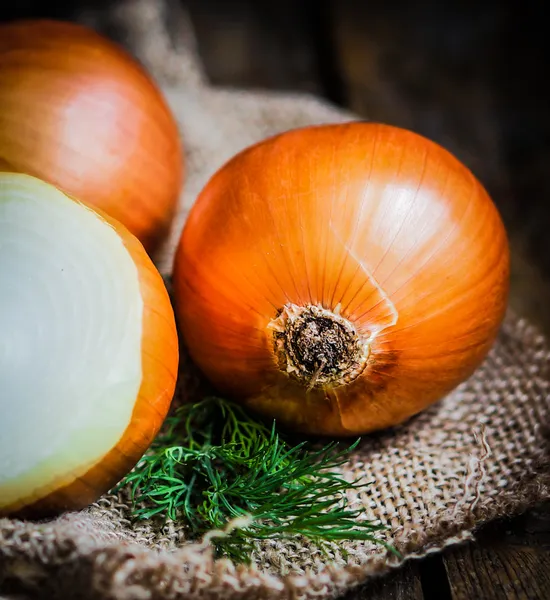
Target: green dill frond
214,462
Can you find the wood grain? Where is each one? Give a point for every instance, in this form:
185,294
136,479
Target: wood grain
511,560
401,585
514,573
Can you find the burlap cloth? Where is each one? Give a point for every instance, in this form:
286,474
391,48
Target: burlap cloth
480,454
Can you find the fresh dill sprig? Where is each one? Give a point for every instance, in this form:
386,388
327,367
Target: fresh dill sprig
214,462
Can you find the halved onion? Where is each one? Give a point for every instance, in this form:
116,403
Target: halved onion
88,350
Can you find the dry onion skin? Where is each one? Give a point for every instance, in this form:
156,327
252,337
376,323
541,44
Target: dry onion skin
341,278
88,350
79,112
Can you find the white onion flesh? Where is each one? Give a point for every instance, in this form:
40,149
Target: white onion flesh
70,338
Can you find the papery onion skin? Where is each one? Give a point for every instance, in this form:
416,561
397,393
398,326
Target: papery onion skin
370,222
159,364
79,112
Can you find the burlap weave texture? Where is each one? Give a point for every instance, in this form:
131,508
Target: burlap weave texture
479,454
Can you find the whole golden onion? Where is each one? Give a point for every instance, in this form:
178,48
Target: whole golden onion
79,112
341,278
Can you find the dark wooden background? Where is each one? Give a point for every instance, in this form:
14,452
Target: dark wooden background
470,76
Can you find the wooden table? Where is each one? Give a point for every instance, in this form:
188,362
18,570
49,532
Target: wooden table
473,80
463,79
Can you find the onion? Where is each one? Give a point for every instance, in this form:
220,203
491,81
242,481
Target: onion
88,350
79,112
341,278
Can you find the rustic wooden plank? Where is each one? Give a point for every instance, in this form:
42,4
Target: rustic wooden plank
522,105
255,44
404,584
493,573
424,66
530,529
510,560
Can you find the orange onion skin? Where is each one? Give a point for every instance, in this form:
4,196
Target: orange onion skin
369,220
159,363
80,113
